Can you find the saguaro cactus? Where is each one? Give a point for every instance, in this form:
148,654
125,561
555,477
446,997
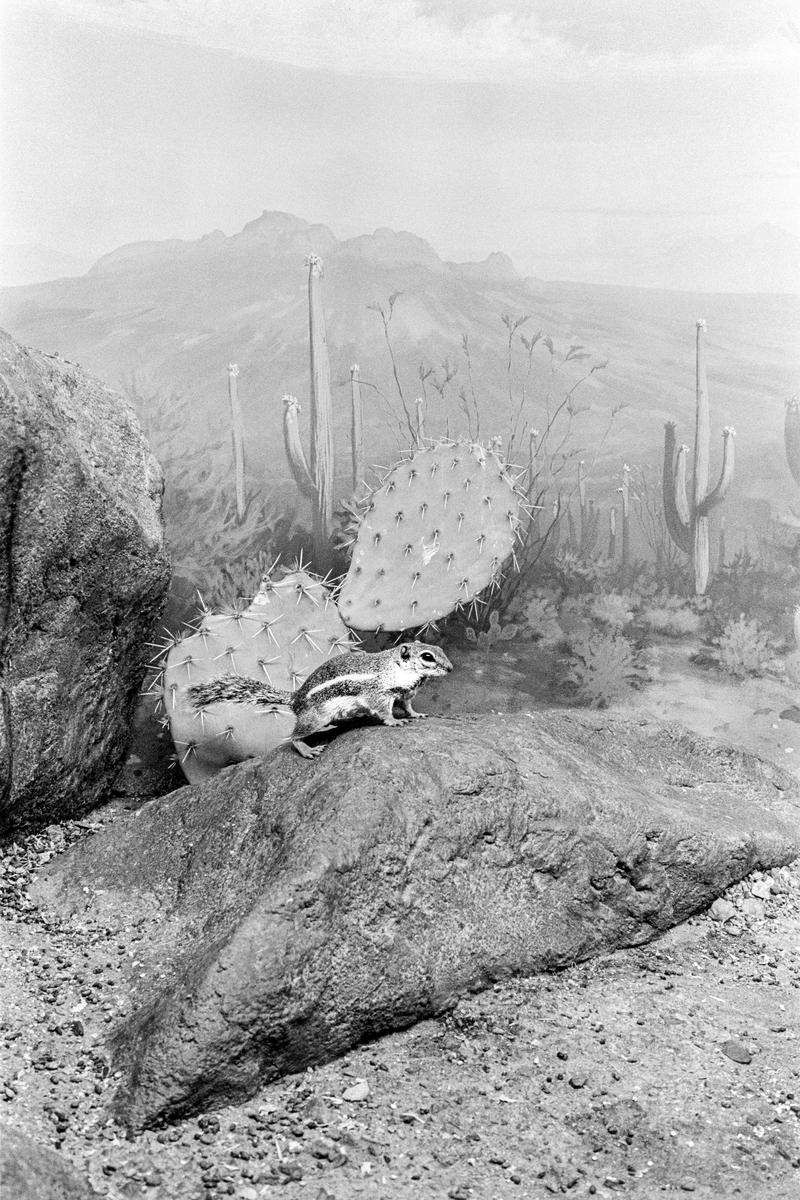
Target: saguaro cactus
687,519
590,517
237,434
612,534
314,477
791,432
626,525
357,426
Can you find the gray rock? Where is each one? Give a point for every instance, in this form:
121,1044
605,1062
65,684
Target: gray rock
83,579
30,1171
722,910
289,909
737,1052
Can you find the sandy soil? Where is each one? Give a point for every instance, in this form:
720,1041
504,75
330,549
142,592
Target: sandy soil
668,1069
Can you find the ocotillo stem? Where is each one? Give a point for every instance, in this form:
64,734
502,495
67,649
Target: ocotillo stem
237,434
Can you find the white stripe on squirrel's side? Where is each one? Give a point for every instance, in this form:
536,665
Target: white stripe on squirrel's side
329,683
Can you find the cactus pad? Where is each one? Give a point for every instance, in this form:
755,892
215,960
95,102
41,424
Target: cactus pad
291,627
432,536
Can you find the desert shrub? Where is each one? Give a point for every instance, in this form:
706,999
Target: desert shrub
743,647
791,667
540,620
573,616
672,621
227,586
764,591
602,668
574,576
487,639
614,609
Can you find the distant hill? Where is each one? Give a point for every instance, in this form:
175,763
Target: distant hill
173,314
765,259
29,263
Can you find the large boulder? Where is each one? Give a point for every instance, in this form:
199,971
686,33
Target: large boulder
289,909
83,580
30,1171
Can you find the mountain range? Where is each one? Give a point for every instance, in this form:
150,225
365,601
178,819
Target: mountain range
169,316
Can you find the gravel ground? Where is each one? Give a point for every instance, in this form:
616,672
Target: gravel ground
668,1069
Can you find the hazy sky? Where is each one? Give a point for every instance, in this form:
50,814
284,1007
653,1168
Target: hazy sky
547,126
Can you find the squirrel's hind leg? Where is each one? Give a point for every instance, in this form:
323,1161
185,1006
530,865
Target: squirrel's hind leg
305,750
305,727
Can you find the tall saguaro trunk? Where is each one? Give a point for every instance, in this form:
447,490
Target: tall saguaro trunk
356,426
314,476
322,436
702,447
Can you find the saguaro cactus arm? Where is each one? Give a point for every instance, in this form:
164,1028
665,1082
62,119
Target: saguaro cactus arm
725,477
294,448
681,493
676,505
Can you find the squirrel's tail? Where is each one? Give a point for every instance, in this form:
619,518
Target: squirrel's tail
236,689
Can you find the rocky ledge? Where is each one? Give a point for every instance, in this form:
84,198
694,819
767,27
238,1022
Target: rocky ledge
293,909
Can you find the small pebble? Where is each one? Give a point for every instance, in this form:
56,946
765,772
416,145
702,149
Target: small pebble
357,1092
737,1052
721,910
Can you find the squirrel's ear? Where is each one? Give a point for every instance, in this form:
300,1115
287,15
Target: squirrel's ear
405,651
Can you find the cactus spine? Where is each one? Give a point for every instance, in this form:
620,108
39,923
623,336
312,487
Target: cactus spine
687,520
237,433
314,477
791,431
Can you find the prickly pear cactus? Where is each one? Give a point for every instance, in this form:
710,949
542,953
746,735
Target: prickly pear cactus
432,536
290,628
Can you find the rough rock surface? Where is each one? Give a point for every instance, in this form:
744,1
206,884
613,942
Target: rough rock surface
83,580
290,909
29,1171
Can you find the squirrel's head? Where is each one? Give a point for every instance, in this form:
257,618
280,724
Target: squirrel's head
427,661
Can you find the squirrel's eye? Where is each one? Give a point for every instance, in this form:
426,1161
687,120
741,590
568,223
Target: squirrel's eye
428,657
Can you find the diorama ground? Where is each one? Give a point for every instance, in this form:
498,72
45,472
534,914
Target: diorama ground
672,1068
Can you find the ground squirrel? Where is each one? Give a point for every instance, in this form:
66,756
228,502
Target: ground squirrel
347,686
